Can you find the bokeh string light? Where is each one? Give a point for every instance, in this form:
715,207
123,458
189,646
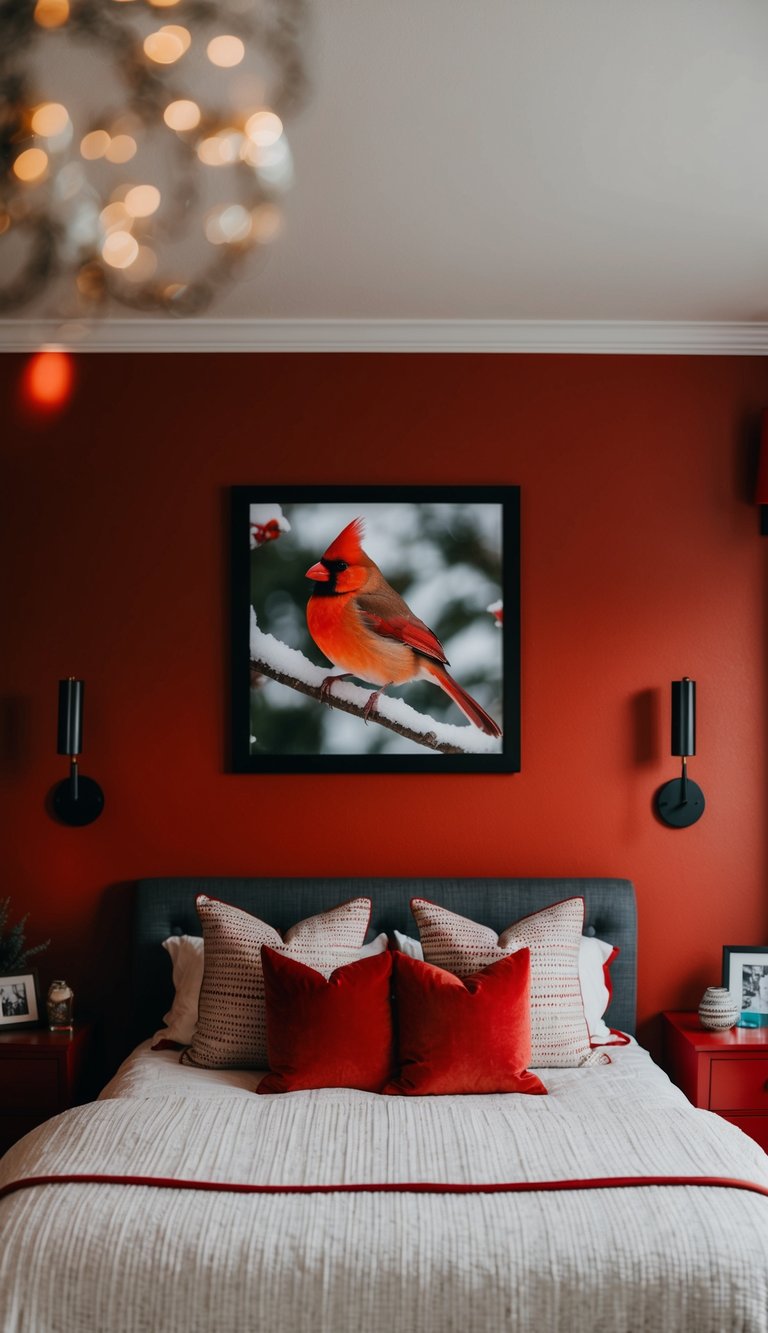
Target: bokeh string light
151,184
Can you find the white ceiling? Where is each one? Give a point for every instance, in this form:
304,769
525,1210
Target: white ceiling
528,159
523,160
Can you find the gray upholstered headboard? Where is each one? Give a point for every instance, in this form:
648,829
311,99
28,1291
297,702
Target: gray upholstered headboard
167,907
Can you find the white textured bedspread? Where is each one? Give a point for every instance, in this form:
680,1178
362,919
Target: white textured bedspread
110,1257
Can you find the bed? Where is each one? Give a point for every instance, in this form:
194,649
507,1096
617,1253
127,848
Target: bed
182,1201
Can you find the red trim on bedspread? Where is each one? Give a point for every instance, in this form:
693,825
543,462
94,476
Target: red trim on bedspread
619,1039
411,1187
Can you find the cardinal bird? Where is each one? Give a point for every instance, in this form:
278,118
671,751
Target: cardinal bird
363,626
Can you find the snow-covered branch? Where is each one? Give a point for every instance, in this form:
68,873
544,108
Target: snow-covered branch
270,657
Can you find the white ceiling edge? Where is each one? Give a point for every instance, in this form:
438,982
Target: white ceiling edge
639,337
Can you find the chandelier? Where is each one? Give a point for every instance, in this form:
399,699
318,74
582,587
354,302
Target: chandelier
143,154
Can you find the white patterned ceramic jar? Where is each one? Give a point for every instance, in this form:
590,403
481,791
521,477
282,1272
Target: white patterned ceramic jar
59,1004
718,1009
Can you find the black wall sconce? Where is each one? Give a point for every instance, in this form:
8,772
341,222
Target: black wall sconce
77,800
681,802
761,490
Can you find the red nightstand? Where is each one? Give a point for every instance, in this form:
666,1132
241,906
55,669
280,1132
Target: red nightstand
726,1072
40,1074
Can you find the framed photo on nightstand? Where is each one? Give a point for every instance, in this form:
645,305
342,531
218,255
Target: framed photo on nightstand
745,974
19,1000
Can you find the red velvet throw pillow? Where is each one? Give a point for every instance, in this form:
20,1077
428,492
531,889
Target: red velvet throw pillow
327,1034
464,1034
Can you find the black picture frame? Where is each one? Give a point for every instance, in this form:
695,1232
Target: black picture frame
470,537
745,975
20,1003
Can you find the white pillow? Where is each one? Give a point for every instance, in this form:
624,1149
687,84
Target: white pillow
408,945
595,957
186,954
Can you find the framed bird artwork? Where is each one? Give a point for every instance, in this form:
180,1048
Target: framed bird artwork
375,629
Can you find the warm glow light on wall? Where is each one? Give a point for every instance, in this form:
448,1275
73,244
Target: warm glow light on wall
48,380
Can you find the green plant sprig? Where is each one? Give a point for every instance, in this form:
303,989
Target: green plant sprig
13,955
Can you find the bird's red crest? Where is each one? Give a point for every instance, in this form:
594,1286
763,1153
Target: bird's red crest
347,545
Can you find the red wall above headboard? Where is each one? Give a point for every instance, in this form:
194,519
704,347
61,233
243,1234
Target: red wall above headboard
641,562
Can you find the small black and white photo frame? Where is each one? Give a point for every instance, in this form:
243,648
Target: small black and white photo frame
19,1000
745,975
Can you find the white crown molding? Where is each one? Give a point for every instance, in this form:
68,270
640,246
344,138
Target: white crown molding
640,337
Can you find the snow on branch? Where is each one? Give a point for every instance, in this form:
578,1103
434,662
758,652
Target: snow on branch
271,657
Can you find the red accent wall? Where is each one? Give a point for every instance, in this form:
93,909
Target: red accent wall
641,562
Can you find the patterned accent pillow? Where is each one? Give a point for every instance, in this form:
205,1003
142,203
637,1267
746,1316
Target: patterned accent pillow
559,1032
231,1026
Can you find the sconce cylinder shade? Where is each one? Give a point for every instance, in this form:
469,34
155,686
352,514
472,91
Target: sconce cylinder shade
761,490
70,735
684,716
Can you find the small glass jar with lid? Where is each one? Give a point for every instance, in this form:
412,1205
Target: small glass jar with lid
60,1007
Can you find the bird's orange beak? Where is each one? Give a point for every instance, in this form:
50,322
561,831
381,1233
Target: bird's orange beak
318,572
